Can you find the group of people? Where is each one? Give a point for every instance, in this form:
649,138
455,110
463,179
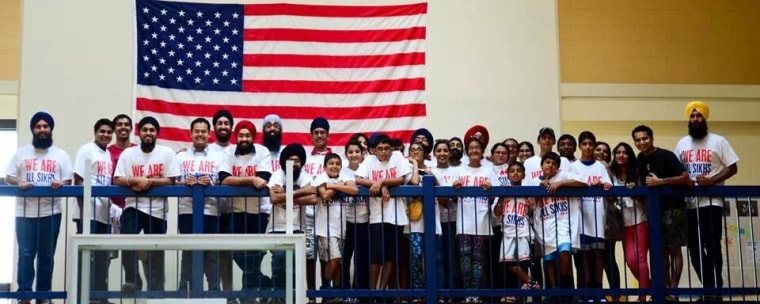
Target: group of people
377,242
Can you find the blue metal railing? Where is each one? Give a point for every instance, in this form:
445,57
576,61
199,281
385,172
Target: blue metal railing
431,293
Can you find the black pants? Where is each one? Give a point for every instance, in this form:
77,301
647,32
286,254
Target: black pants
134,221
99,259
705,229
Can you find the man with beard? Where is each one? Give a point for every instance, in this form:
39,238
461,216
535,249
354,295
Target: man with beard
140,168
251,167
658,167
272,126
303,194
222,123
456,151
38,220
709,160
314,166
566,146
101,175
200,165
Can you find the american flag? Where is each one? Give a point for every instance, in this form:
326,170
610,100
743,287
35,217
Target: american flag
361,67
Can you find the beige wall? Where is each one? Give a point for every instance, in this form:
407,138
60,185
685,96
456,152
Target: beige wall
660,41
10,38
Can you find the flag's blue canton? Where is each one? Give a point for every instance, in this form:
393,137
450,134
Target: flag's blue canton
190,46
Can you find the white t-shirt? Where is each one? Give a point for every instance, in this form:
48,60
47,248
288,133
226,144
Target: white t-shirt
709,155
160,162
473,212
594,214
394,211
209,163
446,177
246,166
557,220
314,166
355,207
514,221
633,211
228,149
39,167
330,219
101,170
278,220
533,167
224,204
266,202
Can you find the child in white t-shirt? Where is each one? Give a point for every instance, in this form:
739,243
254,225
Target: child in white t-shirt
557,221
330,219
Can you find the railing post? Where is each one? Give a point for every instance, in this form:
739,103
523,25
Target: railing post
431,252
198,210
656,246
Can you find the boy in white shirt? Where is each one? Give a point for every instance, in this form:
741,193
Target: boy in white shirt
512,212
330,219
387,214
557,221
588,169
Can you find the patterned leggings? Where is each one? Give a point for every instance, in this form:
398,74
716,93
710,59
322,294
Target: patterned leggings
472,249
417,270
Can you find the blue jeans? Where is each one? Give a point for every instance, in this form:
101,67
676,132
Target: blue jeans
37,238
250,261
210,258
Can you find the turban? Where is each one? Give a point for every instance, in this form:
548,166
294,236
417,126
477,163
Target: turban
700,106
475,129
149,120
320,122
41,116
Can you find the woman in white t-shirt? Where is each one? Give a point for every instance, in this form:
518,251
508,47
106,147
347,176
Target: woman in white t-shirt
356,241
446,175
499,157
636,233
473,217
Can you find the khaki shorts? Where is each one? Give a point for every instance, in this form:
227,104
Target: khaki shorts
329,248
673,228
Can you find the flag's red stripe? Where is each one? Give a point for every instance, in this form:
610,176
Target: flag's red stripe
286,112
319,61
333,87
304,138
334,36
335,10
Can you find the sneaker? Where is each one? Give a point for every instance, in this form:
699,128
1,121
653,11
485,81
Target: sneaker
129,289
671,298
531,285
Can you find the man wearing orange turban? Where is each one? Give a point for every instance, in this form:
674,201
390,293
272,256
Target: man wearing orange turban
709,160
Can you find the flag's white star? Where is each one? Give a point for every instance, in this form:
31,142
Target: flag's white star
216,47
217,31
206,73
154,36
154,51
146,42
182,13
171,53
234,32
181,46
216,64
198,47
190,38
197,63
189,55
235,15
172,20
224,73
208,39
179,78
163,12
171,37
171,70
146,58
225,56
180,62
163,44
181,29
234,48
226,23
154,68
146,74
163,28
161,76
207,55
208,22
190,22
217,15
216,81
162,61
189,72
233,81
146,26
199,14
154,19
234,64
226,40
197,80
199,31
146,10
